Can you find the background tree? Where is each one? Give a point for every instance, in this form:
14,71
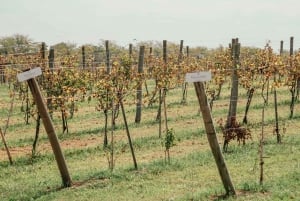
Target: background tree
17,44
64,48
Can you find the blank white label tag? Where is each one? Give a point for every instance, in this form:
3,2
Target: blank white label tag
198,76
29,74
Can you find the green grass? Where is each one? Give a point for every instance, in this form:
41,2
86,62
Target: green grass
191,175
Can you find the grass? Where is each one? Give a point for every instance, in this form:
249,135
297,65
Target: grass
191,175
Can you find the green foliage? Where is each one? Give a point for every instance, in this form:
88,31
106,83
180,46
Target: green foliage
169,139
16,44
64,48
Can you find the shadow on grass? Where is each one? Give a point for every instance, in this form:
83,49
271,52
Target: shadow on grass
100,180
47,191
240,193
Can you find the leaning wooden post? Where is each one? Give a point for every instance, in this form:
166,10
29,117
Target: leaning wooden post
42,109
198,78
128,133
6,147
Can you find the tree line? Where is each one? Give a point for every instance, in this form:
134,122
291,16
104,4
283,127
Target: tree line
19,43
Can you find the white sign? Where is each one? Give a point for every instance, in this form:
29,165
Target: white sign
29,74
198,76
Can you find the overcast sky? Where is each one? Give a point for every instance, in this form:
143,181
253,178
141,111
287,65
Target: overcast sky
207,23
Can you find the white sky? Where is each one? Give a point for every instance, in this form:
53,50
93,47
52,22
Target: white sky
207,23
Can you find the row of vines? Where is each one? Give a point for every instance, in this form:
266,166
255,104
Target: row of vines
143,79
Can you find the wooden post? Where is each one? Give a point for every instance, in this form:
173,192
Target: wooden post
51,59
164,91
187,51
96,61
232,47
161,91
107,57
180,51
83,56
165,51
128,134
42,109
293,89
291,46
130,50
281,48
235,83
51,67
297,79
261,142
43,50
184,85
139,88
107,61
212,138
276,114
50,131
150,50
6,147
275,101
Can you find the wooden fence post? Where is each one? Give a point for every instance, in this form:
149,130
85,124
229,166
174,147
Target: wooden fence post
160,96
187,51
43,50
97,61
139,88
281,48
235,83
51,59
291,46
165,51
83,57
180,51
107,61
107,57
275,101
293,89
130,50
